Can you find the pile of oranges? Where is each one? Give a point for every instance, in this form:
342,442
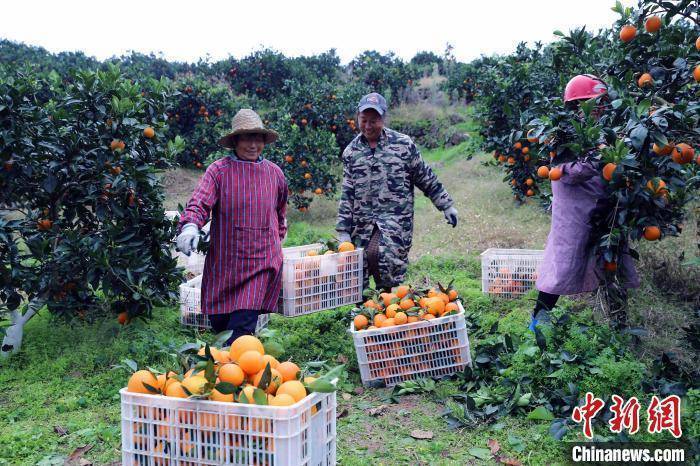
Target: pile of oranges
404,305
242,366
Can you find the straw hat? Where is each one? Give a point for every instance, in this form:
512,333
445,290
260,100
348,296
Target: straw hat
246,121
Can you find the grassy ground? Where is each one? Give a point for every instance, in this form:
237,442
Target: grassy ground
60,393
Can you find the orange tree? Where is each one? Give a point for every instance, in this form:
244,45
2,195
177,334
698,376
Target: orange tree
321,105
309,159
643,135
200,112
82,230
385,74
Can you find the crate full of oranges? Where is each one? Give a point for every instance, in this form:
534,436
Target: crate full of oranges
320,276
234,405
409,334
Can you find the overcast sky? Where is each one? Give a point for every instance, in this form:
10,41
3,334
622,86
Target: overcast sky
188,30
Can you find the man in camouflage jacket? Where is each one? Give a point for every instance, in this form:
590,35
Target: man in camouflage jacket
380,169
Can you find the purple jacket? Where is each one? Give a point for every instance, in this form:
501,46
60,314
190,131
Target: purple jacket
569,265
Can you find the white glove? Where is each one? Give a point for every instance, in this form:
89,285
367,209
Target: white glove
188,239
344,237
451,216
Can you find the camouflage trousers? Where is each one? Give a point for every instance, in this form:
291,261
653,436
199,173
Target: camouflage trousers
372,256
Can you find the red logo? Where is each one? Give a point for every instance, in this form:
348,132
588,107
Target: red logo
625,415
587,412
665,415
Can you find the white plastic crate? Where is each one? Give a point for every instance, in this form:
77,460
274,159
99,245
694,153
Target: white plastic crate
316,283
191,307
427,348
159,430
509,272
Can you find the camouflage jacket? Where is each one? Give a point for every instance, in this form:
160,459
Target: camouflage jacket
378,190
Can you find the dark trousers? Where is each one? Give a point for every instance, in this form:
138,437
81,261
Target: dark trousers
545,301
239,322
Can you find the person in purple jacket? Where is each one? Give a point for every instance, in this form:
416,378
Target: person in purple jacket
569,265
246,196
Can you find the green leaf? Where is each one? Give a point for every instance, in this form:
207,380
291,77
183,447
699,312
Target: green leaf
265,378
226,388
540,414
321,386
260,397
481,453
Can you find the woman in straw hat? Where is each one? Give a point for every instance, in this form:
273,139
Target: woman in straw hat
246,196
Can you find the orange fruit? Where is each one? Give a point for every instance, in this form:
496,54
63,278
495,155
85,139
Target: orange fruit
387,297
697,43
696,73
123,318
407,304
665,150
346,246
390,322
511,160
412,319
451,307
360,322
148,132
652,24
543,172
251,362
318,191
195,384
44,224
608,170
267,359
284,399
436,306
555,174
174,389
372,327
517,145
452,294
428,316
528,181
401,318
275,380
683,153
288,370
164,380
216,395
645,80
288,158
526,150
307,176
245,343
231,373
657,187
293,388
652,233
402,291
501,158
391,310
312,253
530,193
379,319
116,144
137,380
371,304
627,33
432,293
